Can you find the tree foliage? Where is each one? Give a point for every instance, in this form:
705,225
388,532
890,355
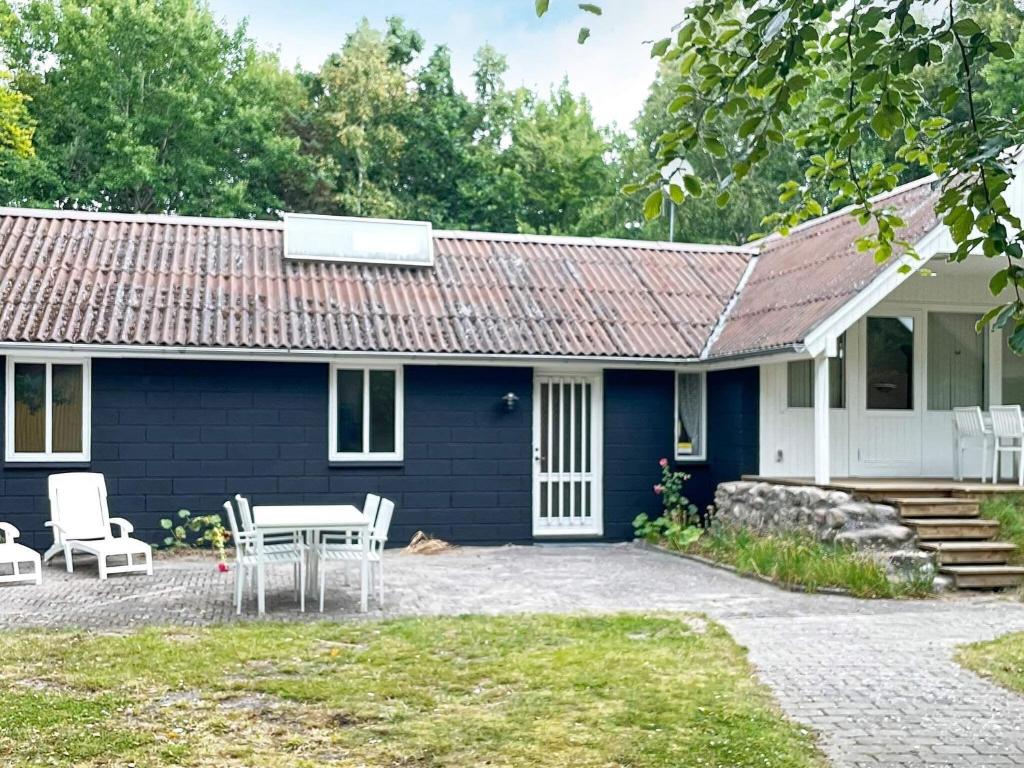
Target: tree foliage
863,93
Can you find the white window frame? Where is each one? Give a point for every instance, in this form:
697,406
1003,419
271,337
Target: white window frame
48,456
690,457
333,454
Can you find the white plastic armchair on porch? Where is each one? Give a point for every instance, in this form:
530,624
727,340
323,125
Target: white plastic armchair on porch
348,548
971,431
1008,436
17,556
81,522
255,554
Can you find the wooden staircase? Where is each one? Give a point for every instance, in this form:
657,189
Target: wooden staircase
962,541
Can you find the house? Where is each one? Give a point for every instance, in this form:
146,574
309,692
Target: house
501,388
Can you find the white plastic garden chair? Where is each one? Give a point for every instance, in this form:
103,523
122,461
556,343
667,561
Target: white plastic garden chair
1008,436
18,555
971,431
347,547
81,522
275,549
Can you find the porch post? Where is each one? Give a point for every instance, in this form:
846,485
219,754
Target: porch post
822,454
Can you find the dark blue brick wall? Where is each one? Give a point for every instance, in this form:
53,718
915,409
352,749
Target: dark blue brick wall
170,434
638,417
173,434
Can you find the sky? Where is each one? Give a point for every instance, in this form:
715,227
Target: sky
613,69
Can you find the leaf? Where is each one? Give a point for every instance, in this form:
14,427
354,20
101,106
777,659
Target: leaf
166,524
583,35
659,48
591,8
966,27
652,205
723,199
542,7
692,184
676,193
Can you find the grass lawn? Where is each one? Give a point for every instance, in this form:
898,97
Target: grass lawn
1008,510
804,562
470,691
1001,659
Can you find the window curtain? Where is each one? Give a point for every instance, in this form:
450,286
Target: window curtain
956,362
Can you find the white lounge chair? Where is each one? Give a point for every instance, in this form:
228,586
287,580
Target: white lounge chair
344,547
1008,437
17,555
81,522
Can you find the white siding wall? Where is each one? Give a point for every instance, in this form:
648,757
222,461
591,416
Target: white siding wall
787,434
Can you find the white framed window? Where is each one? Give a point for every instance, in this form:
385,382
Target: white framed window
800,380
691,415
366,413
48,406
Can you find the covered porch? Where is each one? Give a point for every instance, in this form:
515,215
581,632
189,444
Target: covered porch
873,395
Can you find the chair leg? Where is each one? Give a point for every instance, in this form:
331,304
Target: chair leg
239,586
995,462
69,563
302,587
380,581
101,561
323,584
958,460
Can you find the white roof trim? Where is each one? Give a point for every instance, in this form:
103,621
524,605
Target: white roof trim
451,234
608,242
724,317
137,218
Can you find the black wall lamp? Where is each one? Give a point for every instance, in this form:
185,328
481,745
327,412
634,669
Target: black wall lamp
510,401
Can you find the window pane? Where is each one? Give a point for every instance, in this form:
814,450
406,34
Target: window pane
67,408
29,407
1013,376
800,384
890,363
690,396
800,380
956,361
382,411
350,411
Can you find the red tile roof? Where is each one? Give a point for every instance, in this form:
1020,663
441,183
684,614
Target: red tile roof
95,278
173,281
798,281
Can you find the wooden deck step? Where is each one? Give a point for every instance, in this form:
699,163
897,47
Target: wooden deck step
970,552
953,529
984,576
933,506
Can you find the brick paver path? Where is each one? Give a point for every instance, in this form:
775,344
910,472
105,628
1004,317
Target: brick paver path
875,679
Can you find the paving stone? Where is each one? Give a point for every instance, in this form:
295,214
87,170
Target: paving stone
875,679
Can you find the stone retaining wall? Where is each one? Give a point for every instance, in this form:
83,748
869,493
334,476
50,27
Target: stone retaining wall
828,516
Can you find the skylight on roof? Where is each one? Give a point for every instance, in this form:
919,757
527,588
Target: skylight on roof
350,239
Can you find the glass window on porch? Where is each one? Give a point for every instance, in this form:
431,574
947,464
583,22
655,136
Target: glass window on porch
1013,375
956,361
890,363
800,380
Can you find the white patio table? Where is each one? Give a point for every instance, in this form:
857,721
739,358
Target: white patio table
310,519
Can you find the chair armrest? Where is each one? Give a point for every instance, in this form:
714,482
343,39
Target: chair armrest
10,532
126,527
54,524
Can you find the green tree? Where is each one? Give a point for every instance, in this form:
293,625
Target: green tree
362,104
878,70
558,156
148,105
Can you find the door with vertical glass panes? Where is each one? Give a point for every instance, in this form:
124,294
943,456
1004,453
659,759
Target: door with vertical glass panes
567,455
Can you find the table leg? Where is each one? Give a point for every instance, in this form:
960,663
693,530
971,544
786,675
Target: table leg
261,596
364,573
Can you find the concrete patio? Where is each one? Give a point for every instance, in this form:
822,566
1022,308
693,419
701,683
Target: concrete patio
876,679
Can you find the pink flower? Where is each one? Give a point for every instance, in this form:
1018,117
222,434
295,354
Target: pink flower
663,462
659,488
222,567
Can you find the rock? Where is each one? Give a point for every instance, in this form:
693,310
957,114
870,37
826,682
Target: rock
884,537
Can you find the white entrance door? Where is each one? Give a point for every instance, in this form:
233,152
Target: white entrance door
567,455
886,388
